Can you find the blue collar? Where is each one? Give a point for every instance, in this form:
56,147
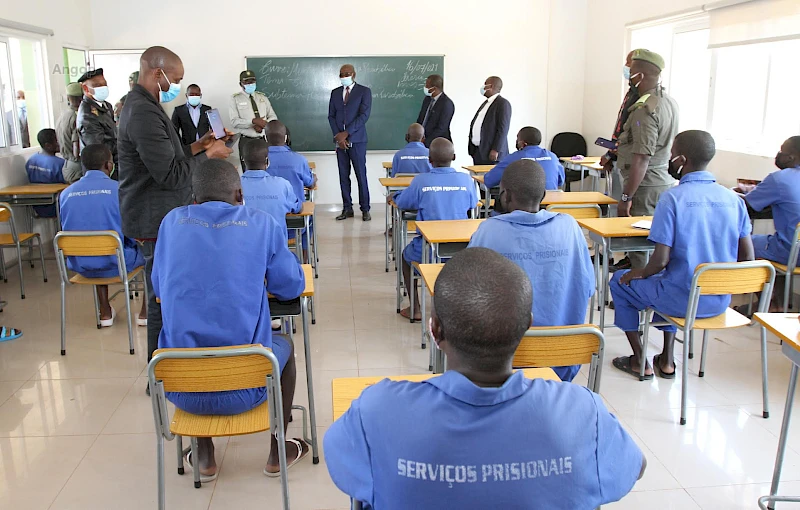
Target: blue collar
415,144
442,170
254,174
701,176
526,218
96,174
278,148
457,386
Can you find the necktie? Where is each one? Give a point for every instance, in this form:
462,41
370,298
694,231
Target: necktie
346,95
254,105
427,112
482,106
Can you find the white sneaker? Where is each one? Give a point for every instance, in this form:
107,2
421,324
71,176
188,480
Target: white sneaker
276,324
107,323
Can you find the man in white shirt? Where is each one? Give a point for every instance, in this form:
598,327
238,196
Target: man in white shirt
190,119
488,132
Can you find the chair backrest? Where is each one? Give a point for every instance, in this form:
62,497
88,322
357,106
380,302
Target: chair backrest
556,346
92,243
578,211
213,369
791,264
6,214
733,277
566,145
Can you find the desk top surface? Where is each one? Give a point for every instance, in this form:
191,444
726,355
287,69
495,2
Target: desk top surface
312,165
387,165
429,273
615,227
576,198
347,389
785,326
448,231
395,182
478,169
308,210
33,189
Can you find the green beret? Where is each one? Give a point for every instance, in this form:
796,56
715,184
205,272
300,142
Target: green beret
246,74
649,56
74,89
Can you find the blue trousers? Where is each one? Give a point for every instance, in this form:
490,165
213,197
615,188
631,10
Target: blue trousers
770,248
630,299
357,155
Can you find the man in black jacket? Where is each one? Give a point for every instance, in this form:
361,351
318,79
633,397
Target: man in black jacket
155,173
488,132
95,119
190,119
437,110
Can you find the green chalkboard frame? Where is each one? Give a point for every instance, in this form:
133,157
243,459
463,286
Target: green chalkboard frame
303,104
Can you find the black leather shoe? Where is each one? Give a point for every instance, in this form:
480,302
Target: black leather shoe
365,216
346,213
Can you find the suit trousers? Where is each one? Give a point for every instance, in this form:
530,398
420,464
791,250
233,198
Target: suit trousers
153,308
357,155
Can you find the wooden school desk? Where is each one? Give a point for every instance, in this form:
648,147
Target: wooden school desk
387,167
29,195
429,273
478,169
391,184
290,309
589,165
347,389
298,222
610,235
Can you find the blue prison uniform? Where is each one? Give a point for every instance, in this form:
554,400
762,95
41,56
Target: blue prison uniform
411,159
553,170
781,190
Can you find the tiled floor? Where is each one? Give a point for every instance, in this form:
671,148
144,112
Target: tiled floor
76,432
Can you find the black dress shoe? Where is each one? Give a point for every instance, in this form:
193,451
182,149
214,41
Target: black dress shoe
346,213
365,216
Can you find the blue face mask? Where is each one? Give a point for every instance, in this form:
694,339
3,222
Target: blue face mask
426,91
171,93
346,81
100,93
195,100
626,73
249,88
483,90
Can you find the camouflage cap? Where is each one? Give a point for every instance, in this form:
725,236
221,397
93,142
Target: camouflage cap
74,89
649,56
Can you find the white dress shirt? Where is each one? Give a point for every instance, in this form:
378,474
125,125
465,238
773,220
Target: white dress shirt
476,128
194,113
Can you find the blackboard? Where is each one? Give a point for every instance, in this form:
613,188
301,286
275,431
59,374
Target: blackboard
299,89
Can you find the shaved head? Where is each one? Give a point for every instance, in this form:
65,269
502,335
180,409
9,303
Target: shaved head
216,180
158,68
416,133
442,153
257,154
276,132
158,57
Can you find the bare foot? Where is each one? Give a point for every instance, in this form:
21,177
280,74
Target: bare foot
205,456
406,312
273,463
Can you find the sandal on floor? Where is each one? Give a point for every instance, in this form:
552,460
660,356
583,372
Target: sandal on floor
300,455
662,374
406,314
624,363
203,478
107,323
3,304
9,334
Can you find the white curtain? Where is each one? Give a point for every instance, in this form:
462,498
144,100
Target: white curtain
753,22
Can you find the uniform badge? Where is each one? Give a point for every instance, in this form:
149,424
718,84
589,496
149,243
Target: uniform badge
94,112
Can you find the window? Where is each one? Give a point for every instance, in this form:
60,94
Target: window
743,95
23,92
117,67
75,64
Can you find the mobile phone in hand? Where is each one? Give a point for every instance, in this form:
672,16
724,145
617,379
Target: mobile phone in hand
216,123
607,144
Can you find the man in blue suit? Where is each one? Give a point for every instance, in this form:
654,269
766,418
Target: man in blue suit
348,112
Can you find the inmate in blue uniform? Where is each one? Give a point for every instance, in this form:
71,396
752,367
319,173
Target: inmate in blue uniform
273,195
441,194
701,222
92,203
781,190
283,162
447,443
45,169
550,247
553,171
219,299
411,159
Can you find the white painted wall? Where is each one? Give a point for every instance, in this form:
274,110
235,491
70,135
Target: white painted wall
513,44
603,85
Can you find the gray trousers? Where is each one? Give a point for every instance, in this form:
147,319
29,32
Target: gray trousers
643,203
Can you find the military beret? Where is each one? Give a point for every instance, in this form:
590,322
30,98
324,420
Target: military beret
74,89
134,77
90,74
246,74
649,56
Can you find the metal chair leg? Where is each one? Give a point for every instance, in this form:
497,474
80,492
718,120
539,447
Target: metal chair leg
787,291
309,382
764,383
685,375
130,318
96,307
645,336
162,491
64,318
19,266
41,257
690,346
703,354
195,466
179,444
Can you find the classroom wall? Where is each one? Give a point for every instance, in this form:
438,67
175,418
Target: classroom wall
509,38
605,51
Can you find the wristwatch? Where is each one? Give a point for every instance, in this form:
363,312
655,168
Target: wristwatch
624,198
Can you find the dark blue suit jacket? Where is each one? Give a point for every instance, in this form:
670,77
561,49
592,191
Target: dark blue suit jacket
353,116
439,118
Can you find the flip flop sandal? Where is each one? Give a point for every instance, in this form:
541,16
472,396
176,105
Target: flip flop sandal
624,363
9,334
300,455
657,368
203,478
3,304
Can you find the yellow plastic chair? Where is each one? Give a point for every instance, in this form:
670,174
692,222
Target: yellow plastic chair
714,280
556,346
215,369
94,243
789,269
16,240
578,211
